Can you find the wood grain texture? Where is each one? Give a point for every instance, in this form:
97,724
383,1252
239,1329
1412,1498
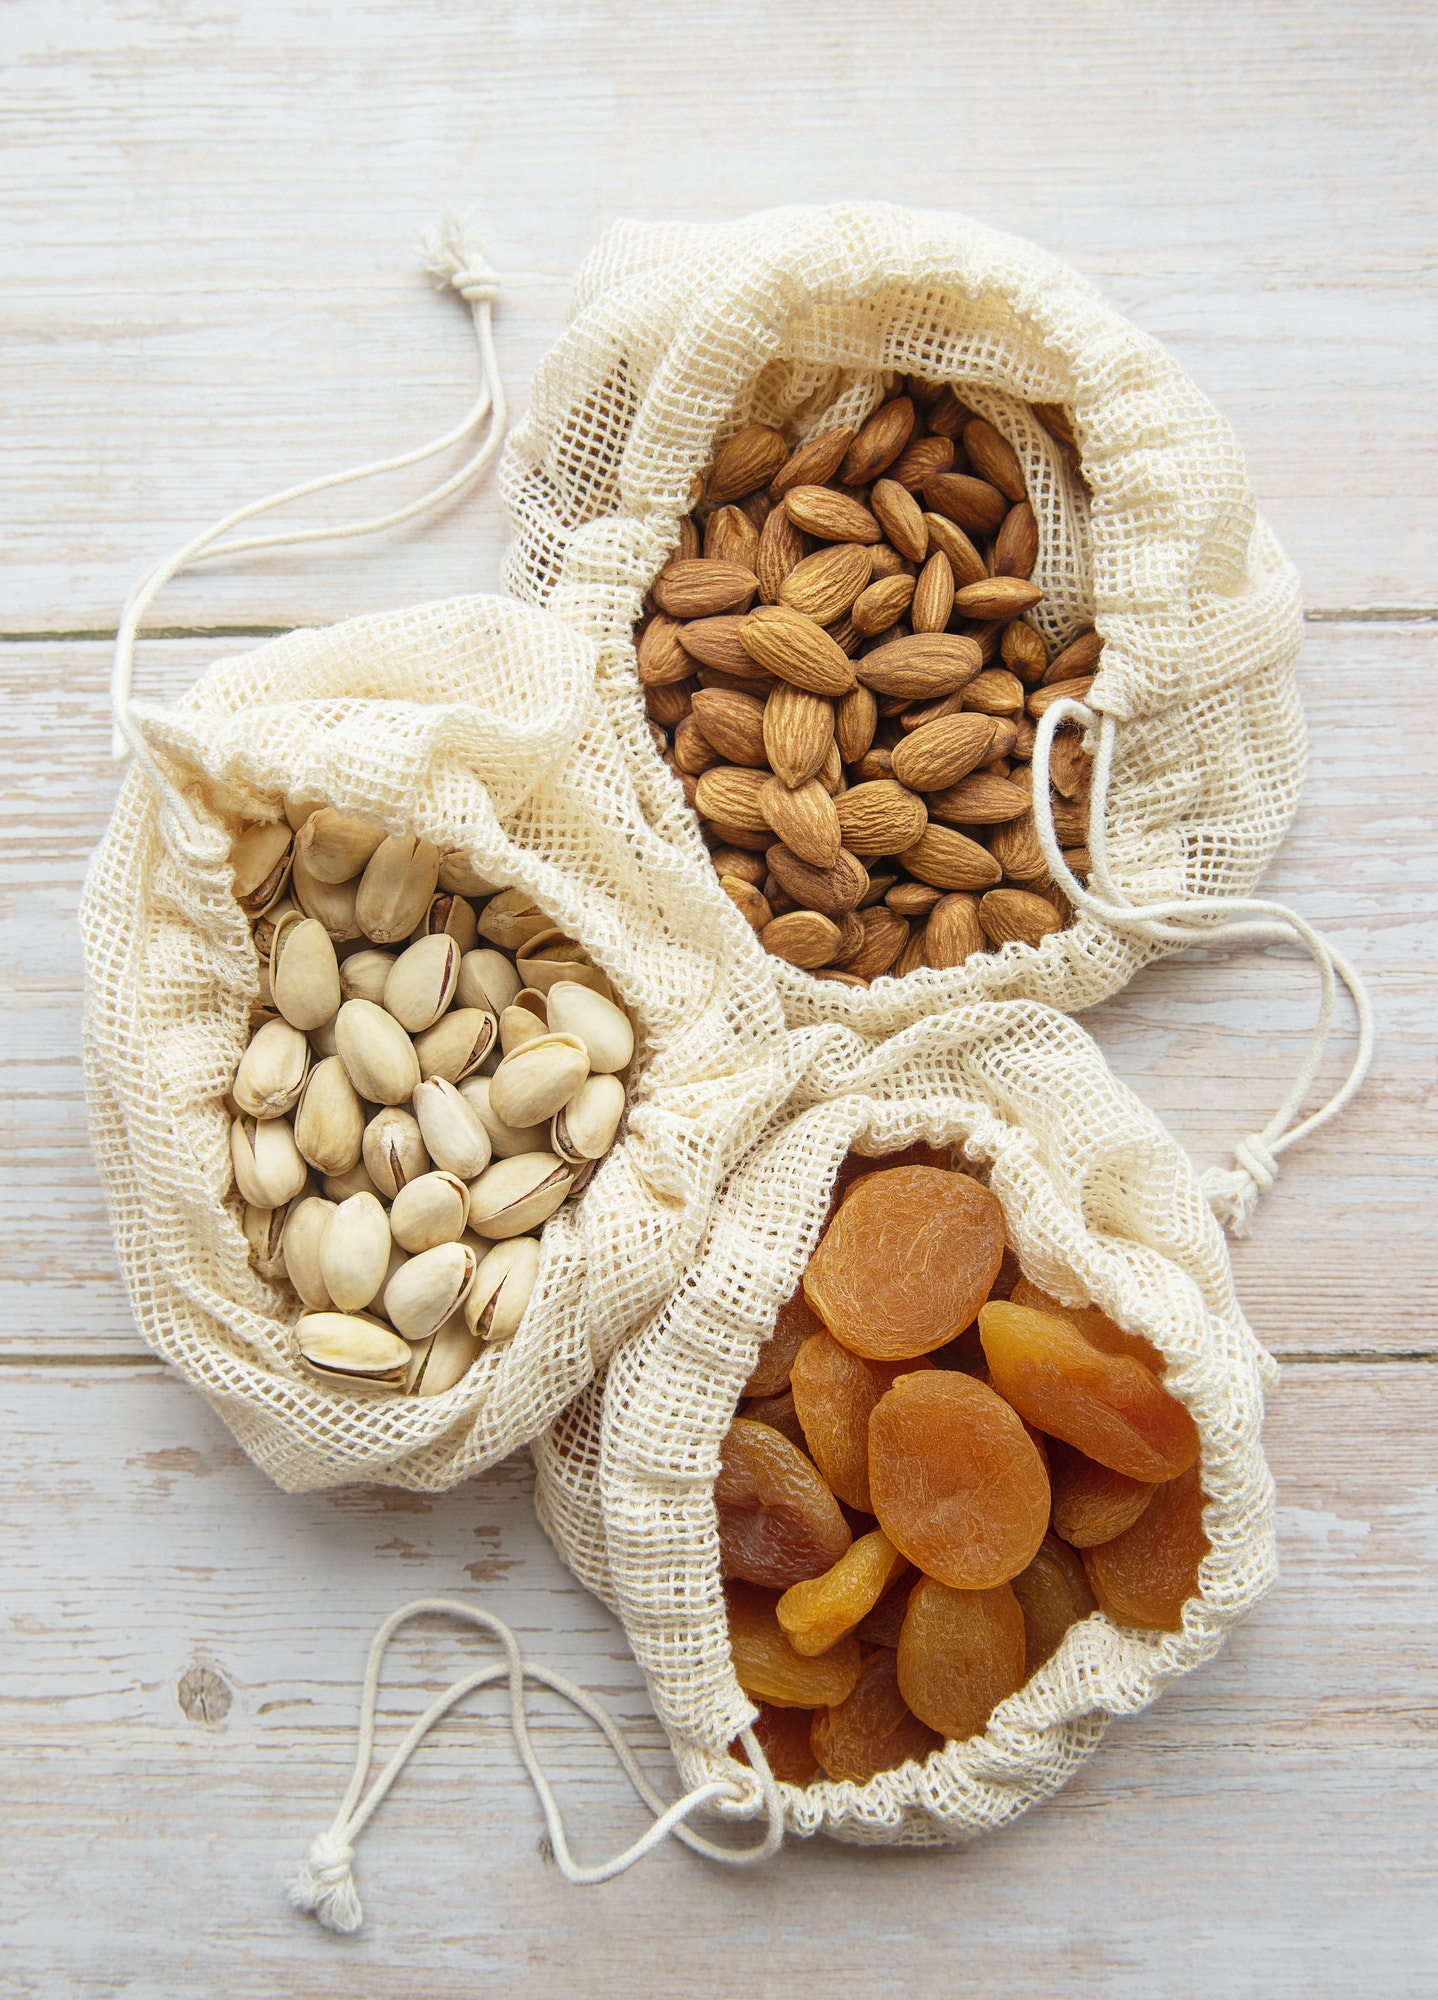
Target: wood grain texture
209,289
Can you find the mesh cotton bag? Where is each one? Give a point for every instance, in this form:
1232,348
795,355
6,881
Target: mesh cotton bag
800,318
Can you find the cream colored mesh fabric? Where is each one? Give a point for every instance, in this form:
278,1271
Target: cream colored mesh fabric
802,318
1102,1206
474,724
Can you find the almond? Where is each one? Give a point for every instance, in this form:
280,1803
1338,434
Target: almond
805,820
797,731
1057,422
942,752
745,461
920,460
691,587
846,636
733,723
995,692
964,559
833,517
833,890
813,463
1045,697
978,507
922,666
1013,916
879,441
851,938
874,764
901,517
804,938
1070,766
994,459
1015,848
753,680
729,795
1080,656
997,597
748,900
662,659
1016,549
825,585
688,538
715,642
750,839
751,868
949,860
669,704
911,958
786,643
831,772
1078,861
953,931
1070,823
946,415
756,507
885,936
781,549
730,536
887,561
979,800
880,818
933,602
856,717
1023,651
693,752
882,604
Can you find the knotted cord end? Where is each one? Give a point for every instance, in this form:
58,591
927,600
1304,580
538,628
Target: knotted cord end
1232,1192
454,255
325,1885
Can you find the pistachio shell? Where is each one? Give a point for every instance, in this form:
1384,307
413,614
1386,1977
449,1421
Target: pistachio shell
531,1084
448,916
429,1287
330,1121
268,1168
329,903
260,857
421,983
339,1187
510,917
453,1131
363,975
458,874
550,955
354,1254
486,979
264,927
395,888
457,1043
378,1054
336,846
272,1071
429,1211
264,1232
298,809
356,1352
584,1128
505,1140
450,1353
601,1026
524,1020
304,973
394,1151
502,1289
305,1229
324,1042
516,1195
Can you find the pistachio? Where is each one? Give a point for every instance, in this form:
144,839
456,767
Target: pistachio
260,858
514,1196
272,1071
457,1044
505,1140
354,1252
486,979
524,1020
378,1054
268,1168
585,1127
329,903
356,1352
427,1290
458,874
550,955
397,1262
264,1232
601,1026
510,917
304,972
298,809
502,1289
339,1187
451,1353
336,846
448,916
324,1041
531,1084
266,926
395,888
429,1211
330,1121
304,1236
363,975
421,983
394,1151
453,1130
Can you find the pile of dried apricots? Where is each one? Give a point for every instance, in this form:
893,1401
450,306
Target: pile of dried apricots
936,1470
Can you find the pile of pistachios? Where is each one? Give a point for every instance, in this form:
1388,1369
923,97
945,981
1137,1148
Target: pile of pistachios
443,1061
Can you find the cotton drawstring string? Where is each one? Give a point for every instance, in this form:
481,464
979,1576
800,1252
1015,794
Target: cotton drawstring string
452,256
1232,1193
325,1883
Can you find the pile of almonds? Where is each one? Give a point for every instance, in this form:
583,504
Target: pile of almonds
937,1470
443,1061
856,742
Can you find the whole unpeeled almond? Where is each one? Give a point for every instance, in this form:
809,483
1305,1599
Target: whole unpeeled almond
745,462
825,585
812,463
881,817
831,516
1015,916
949,860
803,937
994,459
797,649
805,820
732,723
693,587
978,507
997,597
942,752
729,794
922,666
878,443
829,890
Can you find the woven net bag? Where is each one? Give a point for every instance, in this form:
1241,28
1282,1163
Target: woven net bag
1101,1206
803,318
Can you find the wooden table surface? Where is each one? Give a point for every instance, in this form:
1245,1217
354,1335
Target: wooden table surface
209,290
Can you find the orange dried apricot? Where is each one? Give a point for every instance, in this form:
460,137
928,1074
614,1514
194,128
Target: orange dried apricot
874,1730
854,1166
766,1665
1053,1593
817,1613
779,1414
783,1735
1145,1576
1108,1406
1092,1503
957,1482
796,1321
778,1521
961,1652
834,1395
885,1622
907,1261
1095,1326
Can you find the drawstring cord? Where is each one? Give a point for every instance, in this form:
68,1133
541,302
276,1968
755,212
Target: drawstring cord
325,1883
1232,1193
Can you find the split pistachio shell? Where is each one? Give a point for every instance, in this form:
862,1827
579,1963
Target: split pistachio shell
394,1151
329,903
429,1211
458,874
395,888
305,1230
330,1121
421,983
337,846
304,973
451,1353
268,1168
356,1352
453,1132
260,858
266,926
397,1261
448,916
505,1140
514,1196
510,917
354,1253
524,1020
427,1290
550,955
339,1187
272,1071
584,1128
502,1289
378,1054
486,979
602,1027
363,975
265,1232
531,1084
298,809
457,1043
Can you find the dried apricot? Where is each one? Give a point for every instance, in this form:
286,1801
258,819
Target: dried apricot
961,1652
957,1483
817,1613
874,1729
834,1394
1053,1593
907,1261
778,1521
1108,1406
1095,1326
766,1665
1145,1576
1092,1503
885,1622
854,1166
796,1321
779,1414
783,1735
